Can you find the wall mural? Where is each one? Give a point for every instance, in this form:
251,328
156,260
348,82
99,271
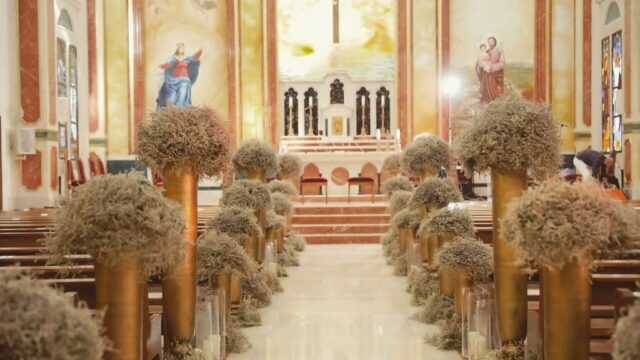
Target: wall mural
490,53
493,50
366,47
185,60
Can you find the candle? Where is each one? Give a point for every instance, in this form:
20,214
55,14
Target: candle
207,349
215,345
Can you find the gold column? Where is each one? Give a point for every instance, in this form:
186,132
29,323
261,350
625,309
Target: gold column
425,174
447,276
236,289
404,235
179,290
223,281
118,291
567,311
258,243
260,175
510,281
432,248
461,282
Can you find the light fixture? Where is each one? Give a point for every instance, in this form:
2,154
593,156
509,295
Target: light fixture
451,85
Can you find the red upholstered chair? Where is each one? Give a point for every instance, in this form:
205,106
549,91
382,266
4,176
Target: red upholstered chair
96,166
75,171
359,181
315,181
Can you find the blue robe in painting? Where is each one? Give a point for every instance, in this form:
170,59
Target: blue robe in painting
179,77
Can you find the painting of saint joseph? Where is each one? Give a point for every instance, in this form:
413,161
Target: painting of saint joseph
490,70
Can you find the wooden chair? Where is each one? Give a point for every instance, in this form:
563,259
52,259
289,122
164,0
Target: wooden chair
75,171
315,181
359,181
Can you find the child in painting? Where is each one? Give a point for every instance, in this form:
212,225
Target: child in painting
482,62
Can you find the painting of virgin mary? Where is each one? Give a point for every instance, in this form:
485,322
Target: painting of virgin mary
180,73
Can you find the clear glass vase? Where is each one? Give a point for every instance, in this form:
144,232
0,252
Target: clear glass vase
469,319
485,337
415,260
208,337
269,262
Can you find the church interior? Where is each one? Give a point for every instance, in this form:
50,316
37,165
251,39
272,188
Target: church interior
320,179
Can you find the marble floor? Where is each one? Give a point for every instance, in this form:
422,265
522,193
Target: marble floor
341,304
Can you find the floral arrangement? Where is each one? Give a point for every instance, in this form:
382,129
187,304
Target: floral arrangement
272,282
626,336
435,192
399,200
248,315
297,241
450,336
247,194
388,239
437,308
406,219
281,204
558,223
40,322
192,139
396,184
274,221
423,286
256,286
455,221
117,218
236,341
234,221
392,163
288,257
511,133
290,165
282,186
399,263
255,155
218,253
469,254
426,153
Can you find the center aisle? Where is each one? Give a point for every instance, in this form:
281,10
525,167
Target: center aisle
341,304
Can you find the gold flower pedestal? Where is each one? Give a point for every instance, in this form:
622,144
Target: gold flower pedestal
179,289
118,291
510,280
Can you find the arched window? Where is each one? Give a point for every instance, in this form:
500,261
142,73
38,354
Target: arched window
337,92
291,112
383,111
613,13
311,112
363,111
64,20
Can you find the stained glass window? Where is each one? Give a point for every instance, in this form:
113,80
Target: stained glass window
73,101
611,77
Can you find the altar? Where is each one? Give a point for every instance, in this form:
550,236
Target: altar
337,158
